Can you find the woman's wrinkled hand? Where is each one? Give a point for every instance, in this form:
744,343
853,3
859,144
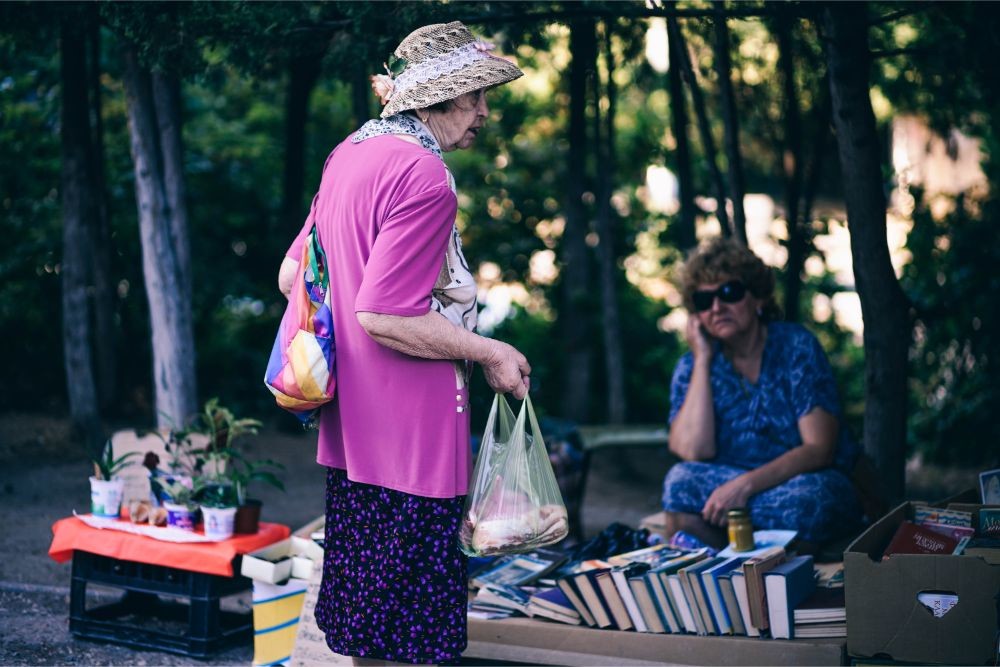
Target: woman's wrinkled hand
697,339
507,370
734,493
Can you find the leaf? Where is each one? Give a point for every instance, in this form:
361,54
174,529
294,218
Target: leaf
396,65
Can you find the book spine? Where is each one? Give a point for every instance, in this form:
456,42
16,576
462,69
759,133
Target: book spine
588,590
609,591
657,586
647,608
692,601
732,606
567,587
740,590
677,596
715,604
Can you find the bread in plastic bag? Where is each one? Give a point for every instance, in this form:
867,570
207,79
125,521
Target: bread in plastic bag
514,504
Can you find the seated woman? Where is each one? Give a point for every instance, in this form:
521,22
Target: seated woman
754,412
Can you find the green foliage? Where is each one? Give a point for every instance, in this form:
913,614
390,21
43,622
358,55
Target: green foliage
106,466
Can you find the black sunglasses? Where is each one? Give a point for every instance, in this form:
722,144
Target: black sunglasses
731,292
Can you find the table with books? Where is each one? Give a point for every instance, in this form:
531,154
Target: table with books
659,605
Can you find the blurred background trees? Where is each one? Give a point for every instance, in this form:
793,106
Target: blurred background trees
637,129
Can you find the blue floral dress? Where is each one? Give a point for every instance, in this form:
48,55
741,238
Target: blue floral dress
756,423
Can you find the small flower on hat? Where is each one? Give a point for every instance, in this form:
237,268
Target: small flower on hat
484,47
383,87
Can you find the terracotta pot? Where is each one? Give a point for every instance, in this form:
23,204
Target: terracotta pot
247,518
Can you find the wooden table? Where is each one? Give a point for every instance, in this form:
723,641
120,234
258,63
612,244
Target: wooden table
534,641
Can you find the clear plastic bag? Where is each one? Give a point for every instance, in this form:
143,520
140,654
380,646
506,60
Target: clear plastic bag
514,504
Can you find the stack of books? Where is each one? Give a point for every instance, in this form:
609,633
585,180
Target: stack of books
666,590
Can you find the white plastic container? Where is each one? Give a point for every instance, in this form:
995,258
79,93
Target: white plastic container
218,522
106,497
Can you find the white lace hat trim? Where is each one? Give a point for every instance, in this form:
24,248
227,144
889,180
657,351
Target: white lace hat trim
438,66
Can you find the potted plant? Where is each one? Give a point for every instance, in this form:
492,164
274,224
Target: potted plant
179,501
229,465
218,510
106,488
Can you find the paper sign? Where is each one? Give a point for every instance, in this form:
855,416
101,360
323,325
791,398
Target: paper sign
939,603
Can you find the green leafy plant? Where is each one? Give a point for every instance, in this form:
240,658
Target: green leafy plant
217,494
180,493
107,466
241,471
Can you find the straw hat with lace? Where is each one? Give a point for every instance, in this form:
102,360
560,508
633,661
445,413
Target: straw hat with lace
436,63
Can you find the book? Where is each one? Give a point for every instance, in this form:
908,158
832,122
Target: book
613,599
989,522
787,586
500,595
621,575
912,538
520,569
586,584
830,575
652,556
824,605
669,606
948,517
753,572
648,608
713,593
668,614
679,599
740,591
696,595
568,588
732,606
819,630
555,600
763,540
954,532
553,604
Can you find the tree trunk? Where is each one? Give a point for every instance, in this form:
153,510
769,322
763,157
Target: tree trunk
704,128
687,235
153,110
883,304
302,77
79,217
614,365
105,290
731,122
577,304
792,164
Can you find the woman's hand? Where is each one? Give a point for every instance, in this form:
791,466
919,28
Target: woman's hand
697,339
506,369
734,493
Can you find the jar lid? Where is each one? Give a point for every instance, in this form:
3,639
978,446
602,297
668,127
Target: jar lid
738,512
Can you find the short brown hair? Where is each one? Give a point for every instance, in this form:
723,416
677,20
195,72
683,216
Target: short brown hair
718,259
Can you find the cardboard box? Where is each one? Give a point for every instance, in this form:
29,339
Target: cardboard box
884,617
298,556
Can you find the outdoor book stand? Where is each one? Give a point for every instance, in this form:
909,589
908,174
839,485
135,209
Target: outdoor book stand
191,624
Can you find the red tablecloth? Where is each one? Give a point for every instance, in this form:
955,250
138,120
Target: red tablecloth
71,534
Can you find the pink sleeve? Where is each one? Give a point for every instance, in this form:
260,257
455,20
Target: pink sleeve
407,255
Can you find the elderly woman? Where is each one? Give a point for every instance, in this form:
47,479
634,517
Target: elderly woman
396,439
754,413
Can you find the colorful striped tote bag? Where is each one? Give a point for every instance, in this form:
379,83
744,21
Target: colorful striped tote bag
301,370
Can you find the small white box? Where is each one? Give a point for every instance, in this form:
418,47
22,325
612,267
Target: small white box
296,557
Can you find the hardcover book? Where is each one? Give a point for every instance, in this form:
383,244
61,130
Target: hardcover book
753,572
713,593
621,575
824,605
519,570
668,570
786,587
696,595
555,600
668,613
613,600
652,556
586,583
740,591
643,595
732,606
679,599
911,538
569,589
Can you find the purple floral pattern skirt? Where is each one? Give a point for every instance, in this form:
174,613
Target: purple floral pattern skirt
394,580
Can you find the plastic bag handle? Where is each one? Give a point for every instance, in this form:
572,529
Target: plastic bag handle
536,432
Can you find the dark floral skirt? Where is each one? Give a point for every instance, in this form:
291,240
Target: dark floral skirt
394,581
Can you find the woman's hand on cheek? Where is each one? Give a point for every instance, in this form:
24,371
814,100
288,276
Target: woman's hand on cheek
734,493
697,339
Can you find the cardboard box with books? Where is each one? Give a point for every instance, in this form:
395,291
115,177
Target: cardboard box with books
911,598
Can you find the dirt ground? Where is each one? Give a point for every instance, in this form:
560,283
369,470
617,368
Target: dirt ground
43,478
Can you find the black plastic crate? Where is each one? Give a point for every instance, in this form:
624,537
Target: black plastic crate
161,608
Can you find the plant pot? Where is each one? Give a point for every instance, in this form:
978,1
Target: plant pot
218,522
247,517
181,516
106,497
